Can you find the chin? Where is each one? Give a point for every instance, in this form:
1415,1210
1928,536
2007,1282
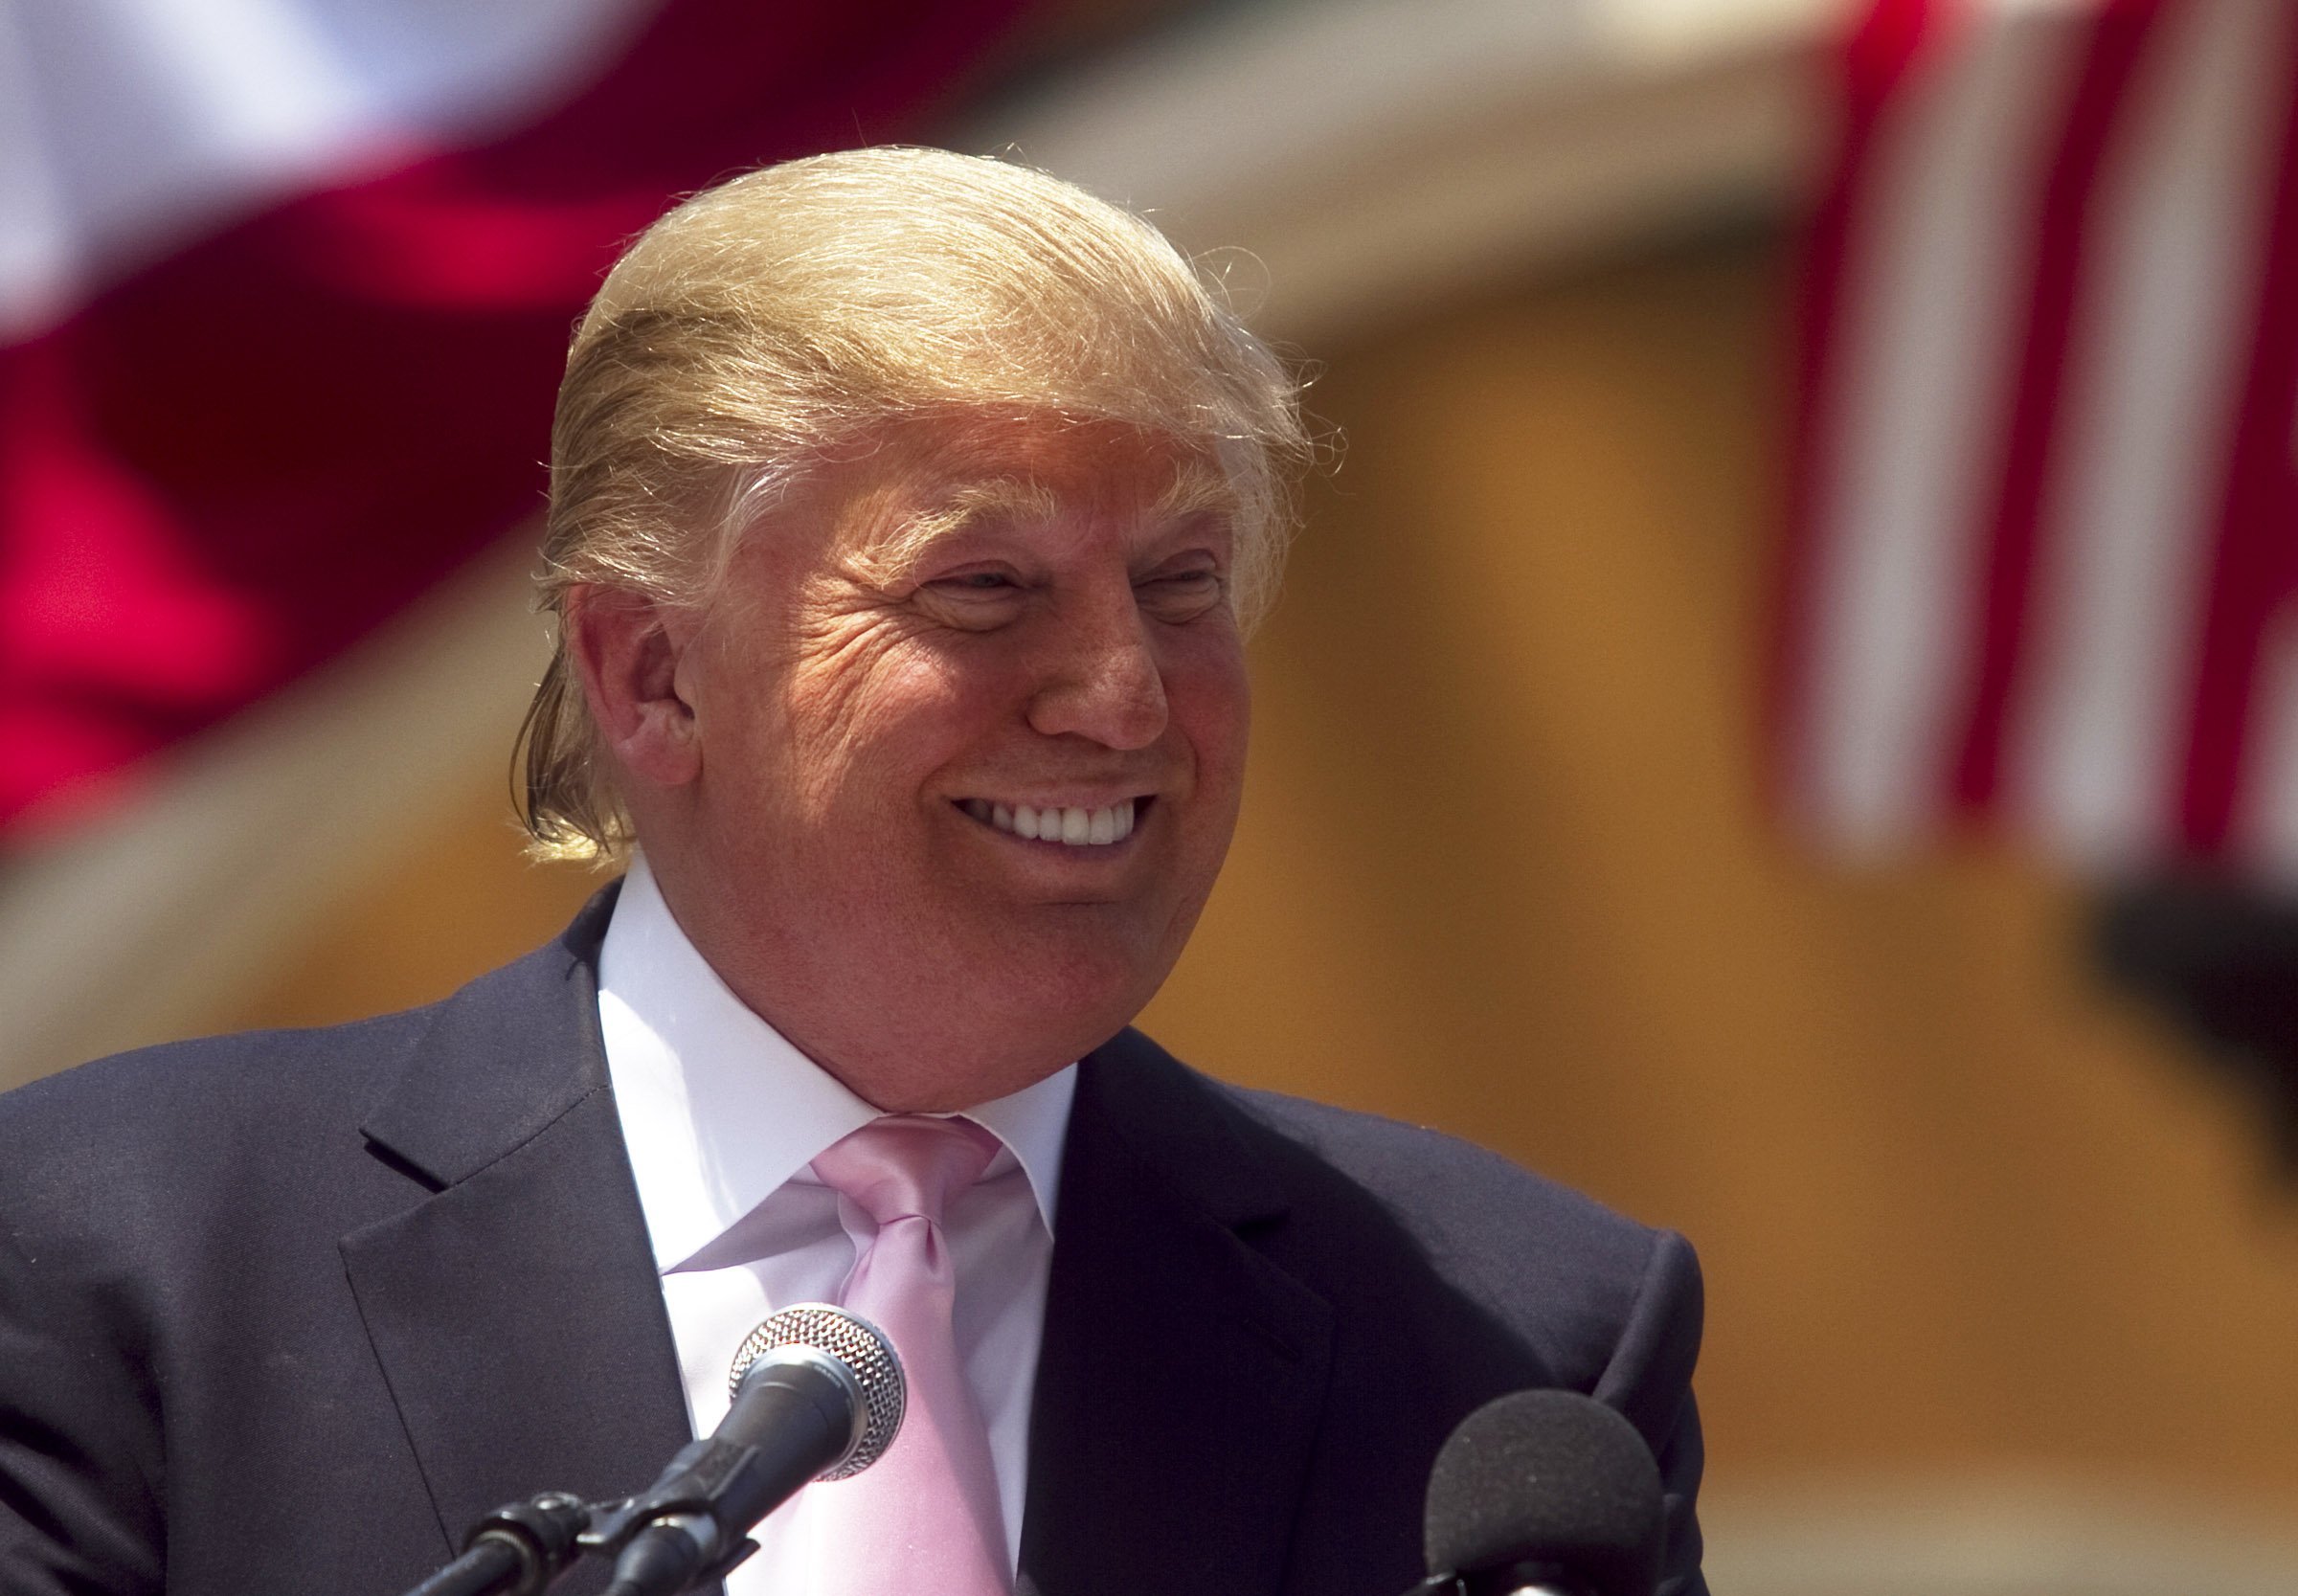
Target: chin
1064,1024
1001,1003
988,1056
1043,1024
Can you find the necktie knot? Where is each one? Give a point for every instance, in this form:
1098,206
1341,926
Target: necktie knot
907,1165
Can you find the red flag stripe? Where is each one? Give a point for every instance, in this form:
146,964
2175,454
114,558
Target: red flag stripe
1932,289
2065,605
2009,547
1879,56
2154,363
2255,568
292,430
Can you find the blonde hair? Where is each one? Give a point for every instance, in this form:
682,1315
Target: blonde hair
763,323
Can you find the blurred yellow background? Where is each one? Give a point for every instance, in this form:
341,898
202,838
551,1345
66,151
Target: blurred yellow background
2003,1295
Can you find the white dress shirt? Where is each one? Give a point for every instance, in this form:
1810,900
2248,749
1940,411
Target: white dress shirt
723,1117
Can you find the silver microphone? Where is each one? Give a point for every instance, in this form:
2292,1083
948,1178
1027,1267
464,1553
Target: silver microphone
851,1351
818,1395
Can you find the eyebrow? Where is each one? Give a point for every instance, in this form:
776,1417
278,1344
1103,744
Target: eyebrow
1195,491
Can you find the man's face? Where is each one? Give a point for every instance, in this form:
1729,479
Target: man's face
971,631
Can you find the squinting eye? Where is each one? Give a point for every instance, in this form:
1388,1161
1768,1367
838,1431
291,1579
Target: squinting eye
975,581
1183,594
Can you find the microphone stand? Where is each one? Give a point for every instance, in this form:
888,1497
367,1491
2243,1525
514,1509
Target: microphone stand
521,1548
799,1408
517,1550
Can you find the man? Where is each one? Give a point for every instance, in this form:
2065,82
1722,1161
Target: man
908,512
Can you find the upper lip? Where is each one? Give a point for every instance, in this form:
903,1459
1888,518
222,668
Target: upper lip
1072,800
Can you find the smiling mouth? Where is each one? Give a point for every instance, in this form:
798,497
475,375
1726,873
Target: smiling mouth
1075,828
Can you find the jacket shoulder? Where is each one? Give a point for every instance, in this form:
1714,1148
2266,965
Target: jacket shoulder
144,1139
1368,1202
1467,1194
1535,1252
1451,1274
130,1179
214,1094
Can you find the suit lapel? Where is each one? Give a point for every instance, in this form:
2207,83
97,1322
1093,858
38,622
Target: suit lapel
1182,1374
514,1309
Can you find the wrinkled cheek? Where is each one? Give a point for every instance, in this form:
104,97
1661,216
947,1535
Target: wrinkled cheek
1207,672
855,740
1215,712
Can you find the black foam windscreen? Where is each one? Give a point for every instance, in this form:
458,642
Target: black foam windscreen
1548,1478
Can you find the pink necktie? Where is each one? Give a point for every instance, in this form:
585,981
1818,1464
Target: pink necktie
923,1521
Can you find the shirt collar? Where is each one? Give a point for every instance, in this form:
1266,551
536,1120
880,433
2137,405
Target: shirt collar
718,1109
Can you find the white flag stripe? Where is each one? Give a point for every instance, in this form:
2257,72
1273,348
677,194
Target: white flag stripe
2265,816
2158,353
133,123
33,209
1935,287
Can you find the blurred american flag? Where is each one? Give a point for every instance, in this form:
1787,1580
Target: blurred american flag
285,286
2044,535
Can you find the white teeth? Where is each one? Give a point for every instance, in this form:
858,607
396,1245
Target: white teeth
1076,828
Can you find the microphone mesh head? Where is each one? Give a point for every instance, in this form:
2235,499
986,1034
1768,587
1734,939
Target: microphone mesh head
1549,1477
855,1342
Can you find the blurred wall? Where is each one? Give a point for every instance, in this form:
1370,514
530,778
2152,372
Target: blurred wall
1503,870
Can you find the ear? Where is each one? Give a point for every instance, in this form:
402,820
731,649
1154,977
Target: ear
626,650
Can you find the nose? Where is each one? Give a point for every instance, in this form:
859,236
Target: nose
1099,676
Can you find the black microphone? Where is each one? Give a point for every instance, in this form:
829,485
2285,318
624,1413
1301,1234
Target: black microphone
1543,1494
818,1395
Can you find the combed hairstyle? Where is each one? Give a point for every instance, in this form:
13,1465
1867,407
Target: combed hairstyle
765,324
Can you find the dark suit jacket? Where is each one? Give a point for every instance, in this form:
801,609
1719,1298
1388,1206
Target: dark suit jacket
284,1312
